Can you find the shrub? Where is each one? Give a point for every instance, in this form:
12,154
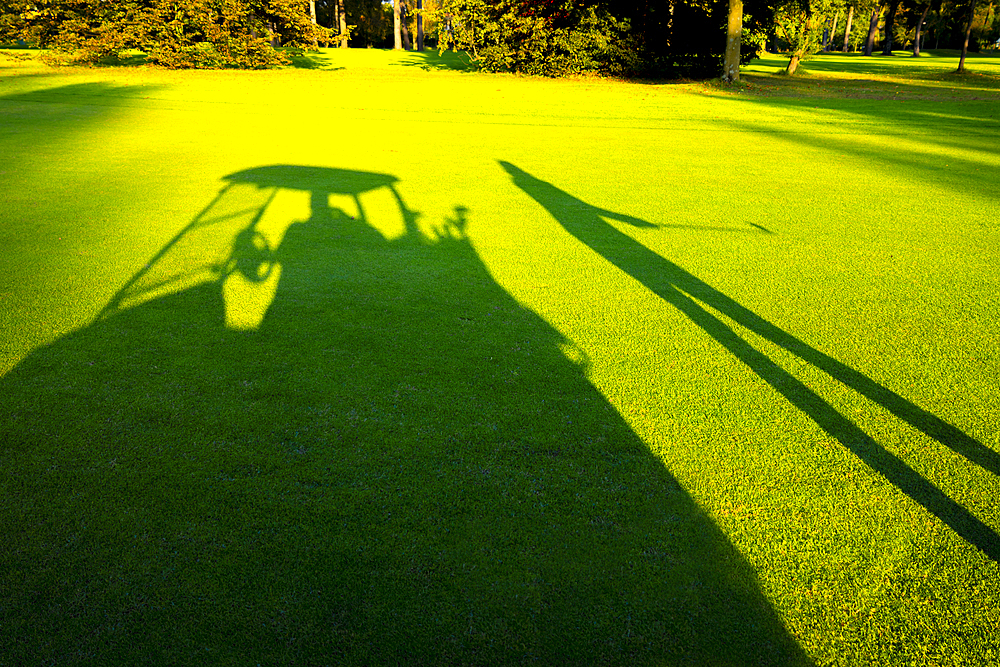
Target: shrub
173,33
660,38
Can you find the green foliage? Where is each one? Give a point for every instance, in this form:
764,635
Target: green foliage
565,37
461,23
795,23
512,36
374,21
369,22
545,37
246,54
173,33
533,45
659,38
754,37
986,25
801,22
11,20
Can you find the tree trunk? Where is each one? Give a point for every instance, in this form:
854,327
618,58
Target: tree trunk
312,15
397,36
920,27
799,52
847,30
889,19
968,31
342,16
420,25
405,20
734,39
872,32
833,31
335,20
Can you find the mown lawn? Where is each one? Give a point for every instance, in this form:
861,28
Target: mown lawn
376,359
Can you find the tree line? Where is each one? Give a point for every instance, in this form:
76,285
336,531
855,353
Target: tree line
884,26
657,38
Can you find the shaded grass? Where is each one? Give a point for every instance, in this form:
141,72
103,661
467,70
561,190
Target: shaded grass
593,403
430,60
932,64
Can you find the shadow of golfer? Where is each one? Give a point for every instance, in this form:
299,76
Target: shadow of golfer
318,442
683,290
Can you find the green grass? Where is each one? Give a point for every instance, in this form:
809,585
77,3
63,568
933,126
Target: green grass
375,359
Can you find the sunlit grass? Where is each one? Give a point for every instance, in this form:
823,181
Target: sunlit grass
931,64
377,360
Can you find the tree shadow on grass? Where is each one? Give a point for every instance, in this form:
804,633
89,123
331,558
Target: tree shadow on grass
948,143
939,64
48,115
687,293
341,441
934,64
312,60
434,61
966,167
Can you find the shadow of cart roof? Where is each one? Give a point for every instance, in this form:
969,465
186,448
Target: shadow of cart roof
315,179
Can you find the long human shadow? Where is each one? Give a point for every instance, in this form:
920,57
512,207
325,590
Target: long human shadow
339,440
684,291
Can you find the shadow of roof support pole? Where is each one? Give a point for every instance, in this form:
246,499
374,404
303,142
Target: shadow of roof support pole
846,432
679,288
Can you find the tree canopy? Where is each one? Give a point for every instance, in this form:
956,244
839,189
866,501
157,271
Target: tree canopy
655,38
173,33
681,38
